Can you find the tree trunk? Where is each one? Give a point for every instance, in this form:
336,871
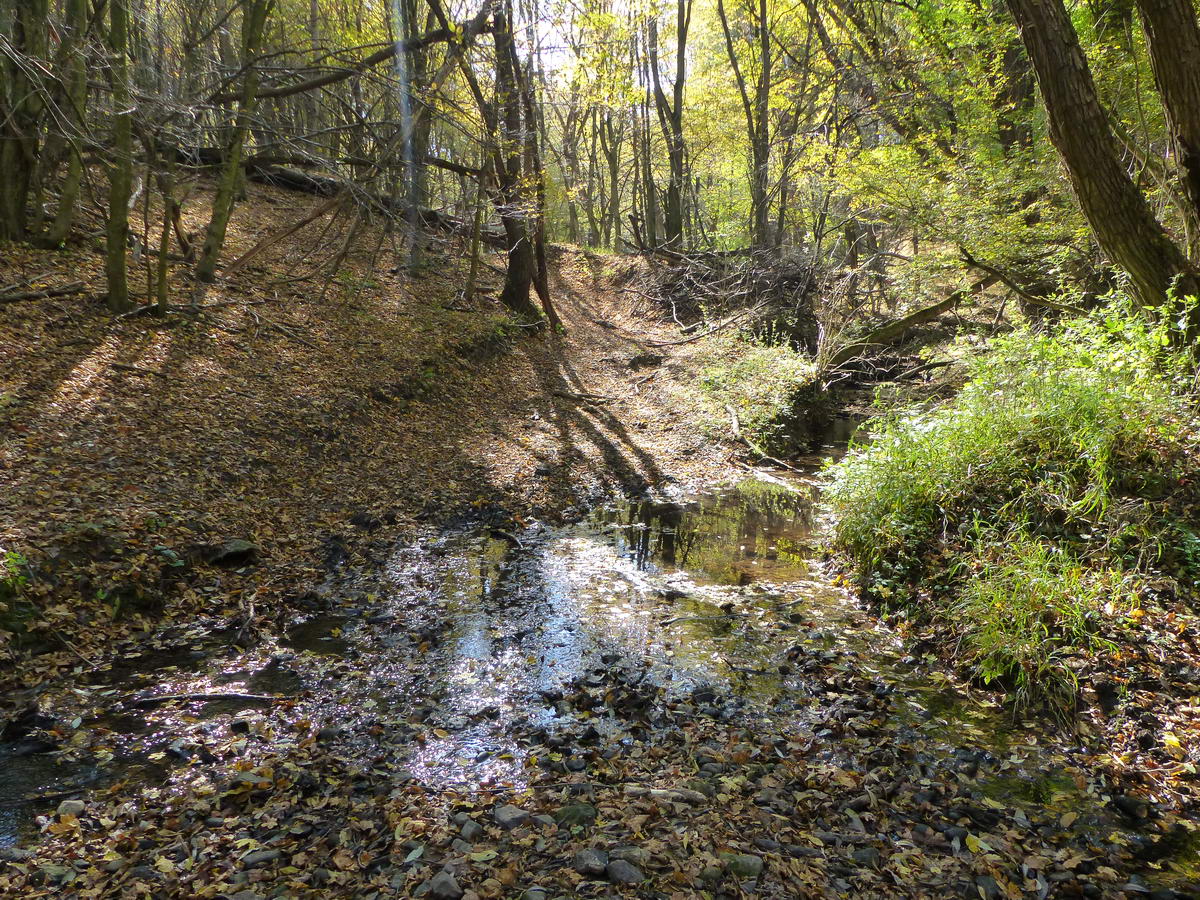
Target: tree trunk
121,177
1173,42
21,107
253,24
1124,225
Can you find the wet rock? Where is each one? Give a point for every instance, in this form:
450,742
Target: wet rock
621,872
544,820
260,858
743,865
509,817
443,886
575,814
14,854
71,808
710,874
471,830
1134,808
591,863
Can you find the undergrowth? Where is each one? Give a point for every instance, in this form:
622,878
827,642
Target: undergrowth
757,381
1020,517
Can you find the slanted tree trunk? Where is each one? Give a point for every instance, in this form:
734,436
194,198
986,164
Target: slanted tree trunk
121,176
254,20
1121,219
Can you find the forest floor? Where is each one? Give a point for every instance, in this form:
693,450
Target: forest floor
322,598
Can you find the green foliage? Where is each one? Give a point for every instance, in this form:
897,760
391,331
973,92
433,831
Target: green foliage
1027,606
757,380
1048,476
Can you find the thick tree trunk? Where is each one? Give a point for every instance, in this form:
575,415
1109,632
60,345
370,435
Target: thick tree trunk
74,112
21,105
1173,41
1124,225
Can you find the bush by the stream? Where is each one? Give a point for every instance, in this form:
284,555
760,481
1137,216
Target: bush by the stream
1027,517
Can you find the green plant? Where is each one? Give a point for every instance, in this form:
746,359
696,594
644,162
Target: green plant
1018,517
755,380
1027,607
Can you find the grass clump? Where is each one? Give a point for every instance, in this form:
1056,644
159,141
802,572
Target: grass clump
1016,514
758,380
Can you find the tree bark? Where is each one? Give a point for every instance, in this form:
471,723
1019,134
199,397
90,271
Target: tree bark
121,176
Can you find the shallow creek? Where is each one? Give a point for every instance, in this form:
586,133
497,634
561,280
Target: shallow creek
473,638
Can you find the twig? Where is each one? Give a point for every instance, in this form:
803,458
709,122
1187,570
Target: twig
584,398
678,619
134,370
145,702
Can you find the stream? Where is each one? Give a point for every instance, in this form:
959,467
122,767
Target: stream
482,656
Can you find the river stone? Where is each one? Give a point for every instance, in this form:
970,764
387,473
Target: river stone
72,808
510,817
443,886
743,865
866,856
471,830
590,862
233,552
621,872
260,858
575,814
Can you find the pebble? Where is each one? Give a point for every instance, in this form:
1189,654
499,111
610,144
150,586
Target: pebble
590,862
575,814
866,856
260,858
621,872
743,865
510,817
72,808
443,886
636,855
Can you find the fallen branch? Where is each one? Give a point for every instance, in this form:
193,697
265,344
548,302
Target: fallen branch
74,287
135,370
896,329
160,699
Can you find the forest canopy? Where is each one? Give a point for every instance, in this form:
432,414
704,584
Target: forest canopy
907,143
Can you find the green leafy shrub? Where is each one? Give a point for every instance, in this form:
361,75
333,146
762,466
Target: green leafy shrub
1008,511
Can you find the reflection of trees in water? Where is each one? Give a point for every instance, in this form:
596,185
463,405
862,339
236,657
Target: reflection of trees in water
716,533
